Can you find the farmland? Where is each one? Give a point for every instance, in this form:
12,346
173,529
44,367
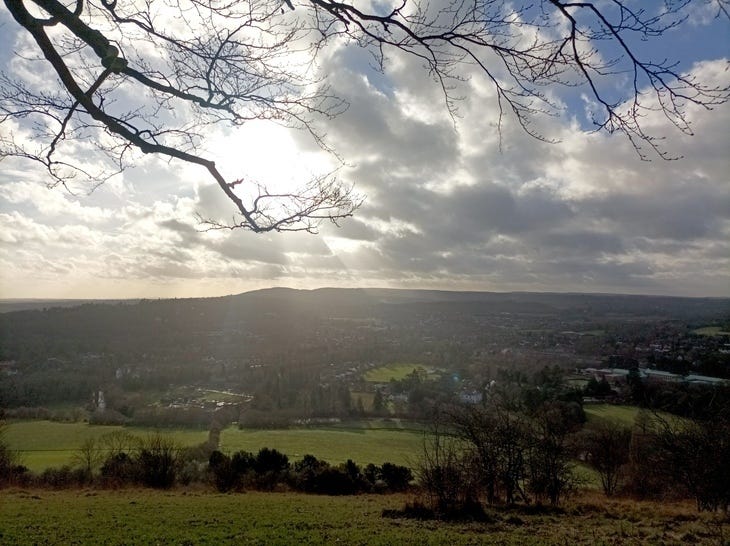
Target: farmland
711,331
201,517
622,414
42,444
336,445
395,372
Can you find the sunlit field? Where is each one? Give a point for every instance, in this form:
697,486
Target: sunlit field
335,445
622,414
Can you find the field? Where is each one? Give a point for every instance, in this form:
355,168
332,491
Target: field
42,444
335,444
201,517
711,331
384,374
622,414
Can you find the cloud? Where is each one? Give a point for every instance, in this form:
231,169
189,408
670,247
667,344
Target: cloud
449,205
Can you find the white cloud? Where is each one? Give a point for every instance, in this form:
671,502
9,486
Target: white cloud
446,208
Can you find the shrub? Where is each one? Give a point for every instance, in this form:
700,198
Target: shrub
271,467
118,469
396,477
224,476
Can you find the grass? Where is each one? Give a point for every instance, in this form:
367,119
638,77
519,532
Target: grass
711,331
333,444
384,374
626,415
185,517
42,444
622,414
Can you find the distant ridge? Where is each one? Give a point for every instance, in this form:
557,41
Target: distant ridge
8,305
321,298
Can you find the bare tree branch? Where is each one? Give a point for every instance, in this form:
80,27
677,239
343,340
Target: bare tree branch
152,76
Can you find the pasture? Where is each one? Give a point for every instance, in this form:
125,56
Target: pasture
130,516
396,372
625,415
333,444
711,331
43,444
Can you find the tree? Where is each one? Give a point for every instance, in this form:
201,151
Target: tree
151,77
550,467
694,456
445,472
498,440
271,467
10,469
158,461
607,444
397,477
224,476
88,457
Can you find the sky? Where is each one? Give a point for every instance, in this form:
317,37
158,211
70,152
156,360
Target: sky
447,204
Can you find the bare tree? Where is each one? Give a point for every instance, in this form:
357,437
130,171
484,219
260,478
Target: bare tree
119,441
606,445
694,455
89,456
151,76
499,443
446,472
158,461
550,459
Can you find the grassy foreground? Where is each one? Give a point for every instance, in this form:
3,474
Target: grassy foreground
201,517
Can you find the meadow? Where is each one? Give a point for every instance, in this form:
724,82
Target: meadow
43,444
711,331
396,372
626,415
186,517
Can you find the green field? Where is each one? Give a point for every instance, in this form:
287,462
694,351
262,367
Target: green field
384,374
333,444
711,331
622,414
43,444
185,517
625,415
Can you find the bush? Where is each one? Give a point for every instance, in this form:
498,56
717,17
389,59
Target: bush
306,473
158,462
271,467
220,466
334,481
63,477
396,477
118,469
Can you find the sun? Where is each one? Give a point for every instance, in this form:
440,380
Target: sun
262,154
